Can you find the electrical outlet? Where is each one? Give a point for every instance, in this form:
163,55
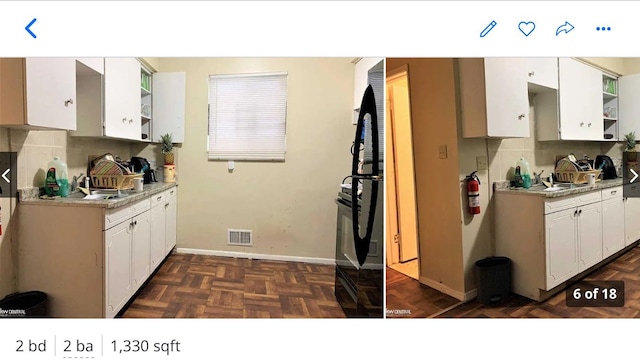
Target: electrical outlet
481,163
442,151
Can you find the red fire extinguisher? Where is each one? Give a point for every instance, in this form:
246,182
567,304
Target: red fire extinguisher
473,192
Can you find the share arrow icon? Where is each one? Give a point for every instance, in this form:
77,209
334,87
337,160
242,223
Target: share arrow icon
635,175
566,27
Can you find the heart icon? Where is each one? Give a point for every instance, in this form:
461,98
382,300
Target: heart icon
526,27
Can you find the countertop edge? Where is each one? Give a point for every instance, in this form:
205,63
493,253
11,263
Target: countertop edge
107,204
604,184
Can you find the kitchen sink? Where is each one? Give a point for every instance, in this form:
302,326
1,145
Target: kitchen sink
558,186
99,194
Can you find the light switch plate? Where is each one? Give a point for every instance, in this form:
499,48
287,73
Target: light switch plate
481,163
442,151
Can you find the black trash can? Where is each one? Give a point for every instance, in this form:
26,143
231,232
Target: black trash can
493,279
31,304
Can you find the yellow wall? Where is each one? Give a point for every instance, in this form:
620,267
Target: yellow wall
433,114
289,206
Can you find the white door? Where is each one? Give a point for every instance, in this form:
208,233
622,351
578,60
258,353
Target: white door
158,236
51,92
613,227
404,175
168,98
631,222
118,267
170,218
141,248
543,72
122,98
580,99
507,97
589,235
628,105
561,246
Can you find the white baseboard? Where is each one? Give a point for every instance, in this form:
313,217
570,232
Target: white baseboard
243,255
443,288
470,295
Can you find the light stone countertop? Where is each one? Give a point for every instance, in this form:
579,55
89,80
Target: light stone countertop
30,197
503,188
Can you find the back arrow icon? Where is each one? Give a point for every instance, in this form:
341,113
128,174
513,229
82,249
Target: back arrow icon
28,26
566,27
635,175
4,176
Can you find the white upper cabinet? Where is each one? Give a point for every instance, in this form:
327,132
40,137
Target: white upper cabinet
122,101
580,101
494,97
628,104
575,111
38,93
96,64
168,99
542,74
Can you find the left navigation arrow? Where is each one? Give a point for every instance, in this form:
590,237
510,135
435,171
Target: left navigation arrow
4,176
28,28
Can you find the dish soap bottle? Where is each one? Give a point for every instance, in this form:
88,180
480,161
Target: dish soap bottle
525,172
57,180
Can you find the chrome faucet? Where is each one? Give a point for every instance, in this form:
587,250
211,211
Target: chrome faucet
74,182
537,178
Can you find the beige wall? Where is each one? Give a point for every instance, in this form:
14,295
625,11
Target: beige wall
289,206
433,114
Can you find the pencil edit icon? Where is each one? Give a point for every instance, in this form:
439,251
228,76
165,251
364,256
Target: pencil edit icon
489,27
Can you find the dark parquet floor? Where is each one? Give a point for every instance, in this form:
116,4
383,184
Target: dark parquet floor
406,297
200,286
625,268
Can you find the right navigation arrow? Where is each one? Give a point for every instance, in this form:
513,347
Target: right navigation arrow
635,175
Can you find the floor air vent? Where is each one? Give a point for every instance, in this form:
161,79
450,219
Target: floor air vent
239,237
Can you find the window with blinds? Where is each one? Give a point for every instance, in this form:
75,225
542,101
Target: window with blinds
247,116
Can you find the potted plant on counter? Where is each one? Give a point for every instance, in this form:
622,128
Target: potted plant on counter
630,140
167,149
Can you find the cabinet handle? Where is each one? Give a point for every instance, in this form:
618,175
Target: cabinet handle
136,222
171,191
532,73
166,205
67,102
580,212
582,124
159,198
521,116
130,121
589,125
124,120
614,192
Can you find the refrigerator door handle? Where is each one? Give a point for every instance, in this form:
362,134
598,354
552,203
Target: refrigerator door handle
368,106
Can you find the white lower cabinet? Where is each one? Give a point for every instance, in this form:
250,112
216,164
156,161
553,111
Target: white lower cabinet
93,269
613,221
570,236
171,218
631,220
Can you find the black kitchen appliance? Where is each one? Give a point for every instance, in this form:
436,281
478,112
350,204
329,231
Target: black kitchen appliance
360,235
141,165
604,163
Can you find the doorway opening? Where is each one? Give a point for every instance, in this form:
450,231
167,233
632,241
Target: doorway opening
402,220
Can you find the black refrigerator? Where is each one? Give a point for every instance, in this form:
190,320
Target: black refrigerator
360,233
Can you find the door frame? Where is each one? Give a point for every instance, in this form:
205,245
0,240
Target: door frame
391,75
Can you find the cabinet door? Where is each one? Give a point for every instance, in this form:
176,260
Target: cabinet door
543,72
613,227
122,98
170,218
96,63
631,223
589,235
168,100
580,98
141,249
51,92
506,97
118,267
561,247
628,105
158,236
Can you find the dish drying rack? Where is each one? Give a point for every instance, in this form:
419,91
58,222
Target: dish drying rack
568,171
107,174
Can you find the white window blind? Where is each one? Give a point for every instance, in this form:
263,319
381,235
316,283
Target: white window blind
247,116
